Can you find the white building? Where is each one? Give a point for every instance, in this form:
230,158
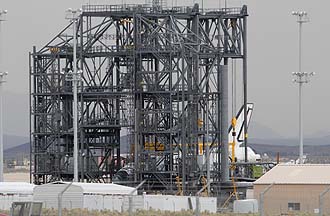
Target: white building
13,192
82,195
113,197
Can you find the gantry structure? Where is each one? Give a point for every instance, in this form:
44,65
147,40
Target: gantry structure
154,74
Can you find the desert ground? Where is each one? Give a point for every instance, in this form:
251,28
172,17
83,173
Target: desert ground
17,177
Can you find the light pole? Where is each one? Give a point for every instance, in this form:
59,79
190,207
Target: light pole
75,77
2,80
301,78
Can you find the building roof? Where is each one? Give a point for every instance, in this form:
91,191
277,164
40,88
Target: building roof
102,188
16,188
297,174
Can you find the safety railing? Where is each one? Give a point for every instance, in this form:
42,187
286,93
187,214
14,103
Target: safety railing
146,8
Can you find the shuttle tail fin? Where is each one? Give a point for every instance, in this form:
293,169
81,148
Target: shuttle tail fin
239,127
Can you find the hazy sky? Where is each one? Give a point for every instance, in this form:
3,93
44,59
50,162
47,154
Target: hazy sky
272,56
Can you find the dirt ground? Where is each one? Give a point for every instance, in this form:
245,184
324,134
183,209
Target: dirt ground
84,212
17,177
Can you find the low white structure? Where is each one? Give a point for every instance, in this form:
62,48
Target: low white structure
14,192
147,202
249,194
82,195
173,203
113,197
246,206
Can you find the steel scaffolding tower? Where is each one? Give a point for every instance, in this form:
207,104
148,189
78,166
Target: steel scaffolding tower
150,70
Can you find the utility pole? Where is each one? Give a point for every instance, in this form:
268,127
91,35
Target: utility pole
75,77
301,78
2,80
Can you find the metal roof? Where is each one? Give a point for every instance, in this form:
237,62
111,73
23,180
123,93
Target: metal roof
16,188
101,188
297,174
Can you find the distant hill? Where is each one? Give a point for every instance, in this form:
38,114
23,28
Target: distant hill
24,149
16,117
271,150
316,141
314,151
17,151
260,131
11,141
264,140
261,134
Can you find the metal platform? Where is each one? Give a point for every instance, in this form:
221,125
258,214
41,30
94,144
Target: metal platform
151,72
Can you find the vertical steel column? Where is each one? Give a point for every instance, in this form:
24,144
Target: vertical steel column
245,86
136,158
219,98
207,69
195,95
191,119
137,99
33,123
224,110
183,132
208,174
75,104
118,89
224,122
82,132
30,111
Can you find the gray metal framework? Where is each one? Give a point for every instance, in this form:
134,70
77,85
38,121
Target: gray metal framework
150,71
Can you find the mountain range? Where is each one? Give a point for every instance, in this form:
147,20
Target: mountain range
11,141
262,139
261,134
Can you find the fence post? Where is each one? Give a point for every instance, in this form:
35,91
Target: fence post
261,199
321,200
130,205
60,199
198,205
130,198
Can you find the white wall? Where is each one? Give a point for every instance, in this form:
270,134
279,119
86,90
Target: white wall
48,194
208,204
113,203
74,198
138,203
249,194
171,203
104,202
168,203
245,206
120,203
7,200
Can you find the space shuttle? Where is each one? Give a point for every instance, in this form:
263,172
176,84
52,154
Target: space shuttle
127,172
239,137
